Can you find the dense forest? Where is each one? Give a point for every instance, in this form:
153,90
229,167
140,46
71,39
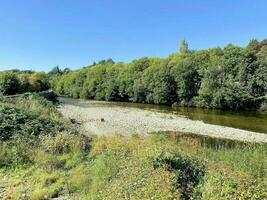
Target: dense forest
229,78
226,78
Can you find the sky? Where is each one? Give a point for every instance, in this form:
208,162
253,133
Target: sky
40,34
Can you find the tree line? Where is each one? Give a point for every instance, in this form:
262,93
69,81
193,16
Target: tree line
226,78
20,81
15,81
232,77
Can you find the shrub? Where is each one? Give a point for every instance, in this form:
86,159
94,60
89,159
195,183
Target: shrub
16,123
14,153
189,172
64,143
263,106
9,83
38,105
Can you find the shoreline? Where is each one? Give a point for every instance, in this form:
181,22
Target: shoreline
127,121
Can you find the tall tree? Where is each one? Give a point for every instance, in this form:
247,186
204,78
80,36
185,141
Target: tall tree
183,47
55,70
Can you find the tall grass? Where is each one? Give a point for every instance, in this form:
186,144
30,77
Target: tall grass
236,170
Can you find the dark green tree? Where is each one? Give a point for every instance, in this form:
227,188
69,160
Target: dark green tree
56,70
183,48
9,83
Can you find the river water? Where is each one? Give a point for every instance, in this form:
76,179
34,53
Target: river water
246,120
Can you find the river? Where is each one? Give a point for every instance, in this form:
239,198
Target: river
246,120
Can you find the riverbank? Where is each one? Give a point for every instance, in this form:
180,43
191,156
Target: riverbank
45,157
109,120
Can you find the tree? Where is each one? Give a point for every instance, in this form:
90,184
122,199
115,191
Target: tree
55,70
187,79
183,48
66,70
24,82
260,75
228,78
253,44
93,86
139,91
38,81
9,83
127,76
158,83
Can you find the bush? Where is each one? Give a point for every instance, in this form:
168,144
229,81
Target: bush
38,105
21,125
263,106
16,123
9,83
63,143
189,172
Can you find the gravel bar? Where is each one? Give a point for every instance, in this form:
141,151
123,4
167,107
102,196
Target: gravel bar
110,120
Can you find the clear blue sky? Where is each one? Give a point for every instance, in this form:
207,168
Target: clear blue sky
39,34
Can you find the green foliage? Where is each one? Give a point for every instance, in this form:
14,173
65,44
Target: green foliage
219,186
264,106
14,82
187,80
189,171
9,83
24,82
23,123
66,166
55,169
136,168
14,153
63,143
230,78
16,123
183,49
156,84
38,105
235,170
56,70
38,82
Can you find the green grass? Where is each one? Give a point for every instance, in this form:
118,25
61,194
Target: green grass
139,168
235,170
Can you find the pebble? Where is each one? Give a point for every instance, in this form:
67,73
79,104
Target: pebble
128,121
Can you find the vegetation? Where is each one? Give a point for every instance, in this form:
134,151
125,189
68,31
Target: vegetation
230,78
14,82
226,78
43,157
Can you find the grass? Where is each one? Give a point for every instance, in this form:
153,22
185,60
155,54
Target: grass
140,168
235,170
